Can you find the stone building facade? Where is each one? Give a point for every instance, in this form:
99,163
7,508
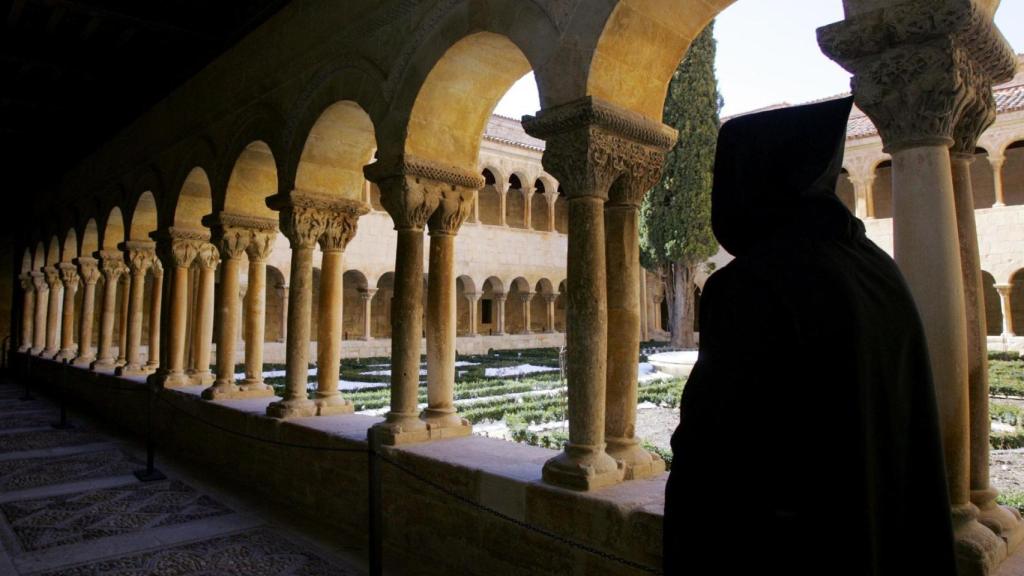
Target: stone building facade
279,136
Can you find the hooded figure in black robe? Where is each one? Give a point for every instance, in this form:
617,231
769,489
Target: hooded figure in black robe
808,440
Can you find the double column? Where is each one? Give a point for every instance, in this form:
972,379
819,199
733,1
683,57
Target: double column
207,259
141,255
52,318
69,282
42,299
28,311
1005,291
918,113
595,148
112,267
177,250
237,236
367,297
89,271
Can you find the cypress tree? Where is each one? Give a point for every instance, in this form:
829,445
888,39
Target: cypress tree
675,227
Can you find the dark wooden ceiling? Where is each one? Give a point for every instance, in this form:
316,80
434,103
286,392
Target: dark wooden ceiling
74,72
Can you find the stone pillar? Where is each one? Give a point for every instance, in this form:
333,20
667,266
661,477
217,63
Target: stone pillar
208,258
42,299
340,226
645,308
112,267
90,273
526,298
231,239
141,256
502,190
156,293
52,275
28,310
917,94
261,243
591,145
864,195
1004,523
69,281
1005,290
527,191
302,223
472,298
549,319
122,325
499,313
551,196
179,251
367,298
997,179
442,319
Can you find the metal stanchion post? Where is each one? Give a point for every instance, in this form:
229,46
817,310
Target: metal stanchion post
62,391
150,473
376,513
28,379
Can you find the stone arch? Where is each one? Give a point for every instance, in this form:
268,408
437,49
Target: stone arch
489,199
354,285
53,251
561,212
982,180
70,248
195,200
90,238
487,315
276,311
539,305
26,261
993,307
881,189
844,190
1013,174
515,308
464,285
539,213
1017,300
253,179
337,146
144,217
515,200
113,230
381,306
39,260
560,303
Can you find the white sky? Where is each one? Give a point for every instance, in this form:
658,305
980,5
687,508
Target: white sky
768,54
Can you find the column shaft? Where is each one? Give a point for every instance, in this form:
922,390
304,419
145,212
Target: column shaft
178,318
260,245
330,329
1005,306
227,322
42,299
997,180
53,320
300,296
90,276
156,292
367,297
28,309
202,338
406,330
499,314
441,333
122,329
108,312
69,281
136,298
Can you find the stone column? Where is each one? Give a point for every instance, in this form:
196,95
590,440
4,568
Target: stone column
472,298
997,179
69,281
916,94
978,117
261,243
42,299
340,226
141,256
864,194
112,267
551,196
367,297
208,258
156,292
527,191
442,319
231,240
1005,291
410,201
549,318
52,275
28,310
302,223
591,145
502,190
499,313
89,271
526,298
122,324
179,251
284,312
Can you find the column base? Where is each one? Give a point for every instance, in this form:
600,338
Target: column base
201,378
65,354
333,405
445,424
401,429
132,370
103,364
84,361
120,362
978,550
637,462
365,338
1004,521
255,386
152,366
177,380
50,353
224,391
294,408
35,351
583,468
24,348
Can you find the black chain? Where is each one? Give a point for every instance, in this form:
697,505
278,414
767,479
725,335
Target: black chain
543,532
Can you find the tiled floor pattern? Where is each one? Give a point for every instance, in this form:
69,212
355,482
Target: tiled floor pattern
70,506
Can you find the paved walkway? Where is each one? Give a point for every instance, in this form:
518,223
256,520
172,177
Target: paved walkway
70,505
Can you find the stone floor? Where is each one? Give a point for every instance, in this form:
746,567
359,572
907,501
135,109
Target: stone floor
70,505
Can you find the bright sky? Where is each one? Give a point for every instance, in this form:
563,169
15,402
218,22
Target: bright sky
768,54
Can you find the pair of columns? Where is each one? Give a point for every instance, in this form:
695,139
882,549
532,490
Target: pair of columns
1005,291
306,219
606,159
928,92
421,194
141,258
367,297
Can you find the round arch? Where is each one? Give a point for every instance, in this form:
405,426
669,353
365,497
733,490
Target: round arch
194,200
90,238
113,230
338,145
144,217
354,285
489,198
70,248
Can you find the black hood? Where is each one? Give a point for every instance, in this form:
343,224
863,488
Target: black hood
776,174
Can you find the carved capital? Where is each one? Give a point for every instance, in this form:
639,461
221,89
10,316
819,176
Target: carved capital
39,281
156,268
207,257
52,277
26,281
183,251
526,297
550,298
412,188
261,244
232,241
140,256
979,114
339,229
112,265
68,275
88,269
453,208
592,144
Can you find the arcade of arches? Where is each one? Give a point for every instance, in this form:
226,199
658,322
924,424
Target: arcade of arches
338,179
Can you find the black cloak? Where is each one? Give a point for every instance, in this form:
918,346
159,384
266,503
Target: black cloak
808,440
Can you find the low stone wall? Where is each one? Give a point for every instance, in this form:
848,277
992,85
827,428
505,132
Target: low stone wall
426,531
